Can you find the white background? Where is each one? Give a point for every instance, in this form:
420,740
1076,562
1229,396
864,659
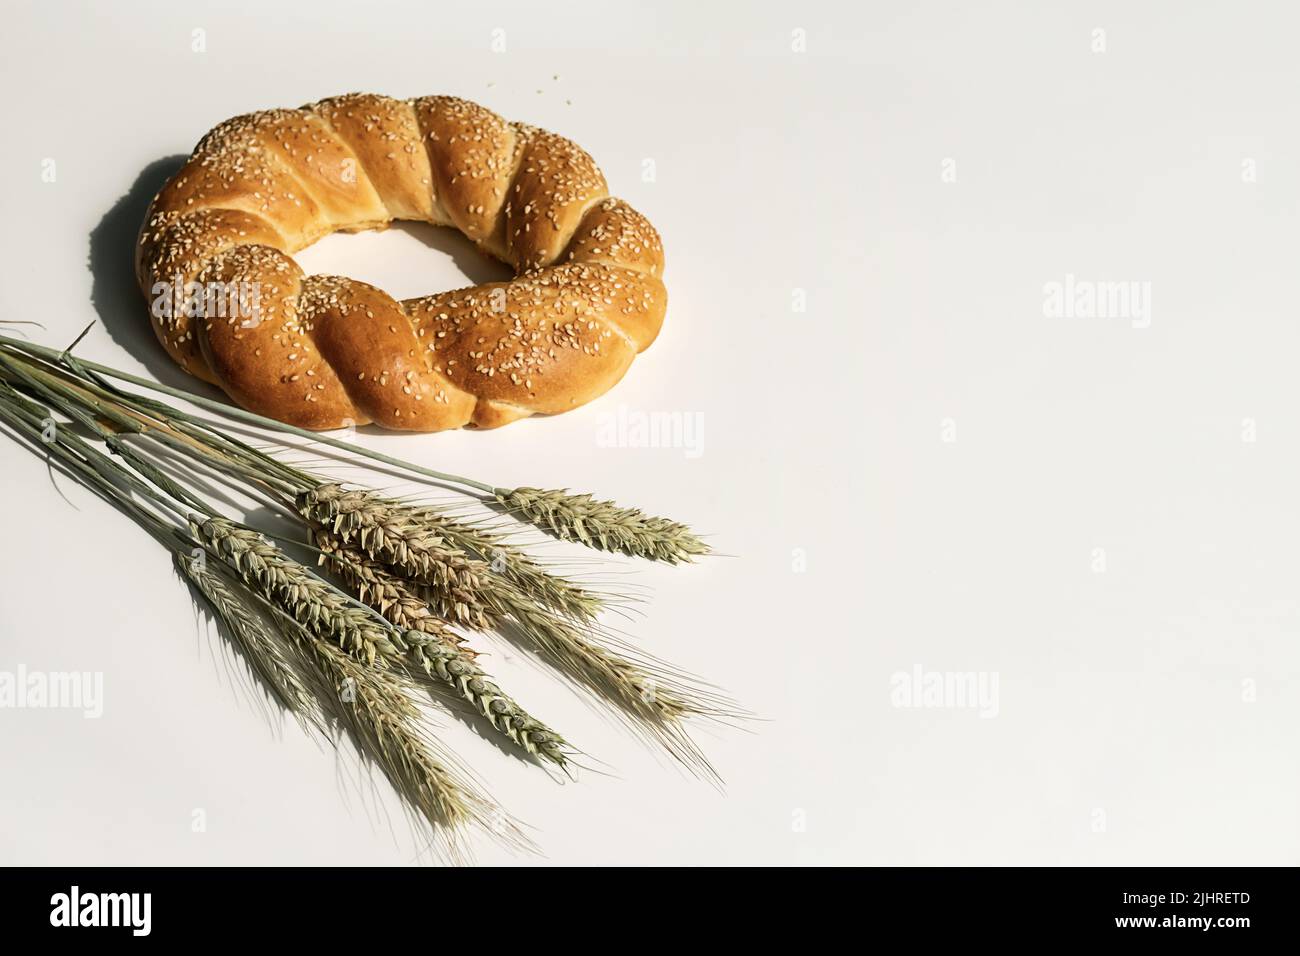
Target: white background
1147,712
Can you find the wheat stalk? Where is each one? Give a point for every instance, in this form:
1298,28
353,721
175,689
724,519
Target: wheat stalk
398,533
544,586
574,649
453,578
392,596
369,701
384,721
381,529
602,525
344,643
437,649
314,603
258,641
653,697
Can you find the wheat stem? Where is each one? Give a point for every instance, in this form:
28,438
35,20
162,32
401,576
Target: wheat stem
233,411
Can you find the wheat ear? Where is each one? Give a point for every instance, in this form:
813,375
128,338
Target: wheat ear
602,525
343,642
354,511
322,609
261,645
373,584
453,578
548,588
436,648
374,707
654,697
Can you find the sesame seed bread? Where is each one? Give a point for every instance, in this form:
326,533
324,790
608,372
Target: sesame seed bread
326,351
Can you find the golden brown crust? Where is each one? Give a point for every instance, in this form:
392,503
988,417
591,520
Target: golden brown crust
471,151
172,251
368,339
268,363
543,342
387,142
325,351
556,183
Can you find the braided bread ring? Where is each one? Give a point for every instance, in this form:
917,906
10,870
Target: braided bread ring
325,351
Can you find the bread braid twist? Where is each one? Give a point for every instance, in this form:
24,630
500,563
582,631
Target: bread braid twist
325,351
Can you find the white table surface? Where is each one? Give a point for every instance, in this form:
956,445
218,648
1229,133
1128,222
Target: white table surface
1146,713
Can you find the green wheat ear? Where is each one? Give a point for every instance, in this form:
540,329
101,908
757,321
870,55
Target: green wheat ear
363,520
602,525
436,648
